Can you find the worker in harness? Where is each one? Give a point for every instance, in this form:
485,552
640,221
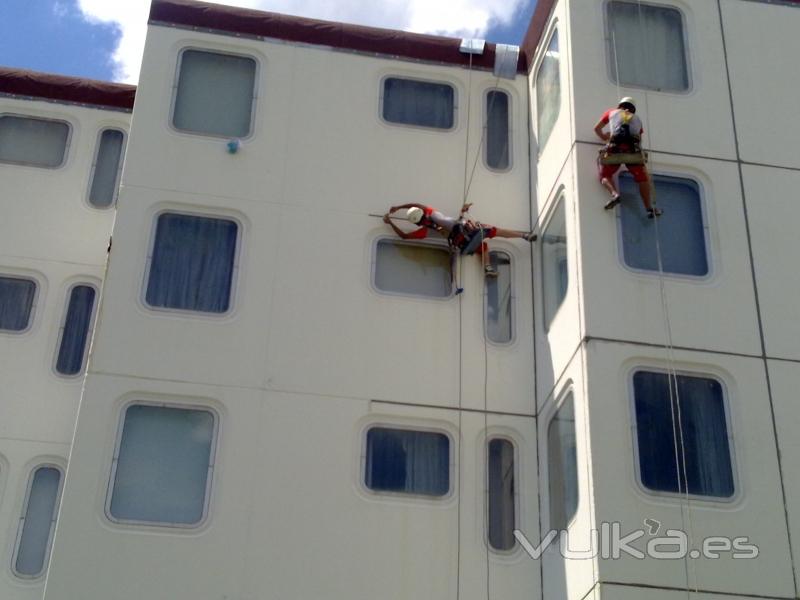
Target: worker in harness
623,146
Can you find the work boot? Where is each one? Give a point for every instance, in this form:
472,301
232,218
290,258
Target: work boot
530,237
613,202
490,271
654,212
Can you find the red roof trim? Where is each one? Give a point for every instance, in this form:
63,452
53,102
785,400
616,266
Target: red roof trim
536,30
19,82
370,40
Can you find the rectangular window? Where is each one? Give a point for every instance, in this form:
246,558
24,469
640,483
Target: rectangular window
163,465
192,264
16,303
498,129
33,141
555,272
502,488
107,164
77,329
421,103
548,92
38,521
414,269
215,94
407,462
682,231
705,449
646,46
499,324
562,465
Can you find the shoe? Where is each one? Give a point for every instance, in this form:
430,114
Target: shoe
613,202
490,271
530,237
654,212
458,291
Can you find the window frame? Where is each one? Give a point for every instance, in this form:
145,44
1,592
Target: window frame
513,299
567,392
517,496
485,149
552,30
450,84
687,53
24,515
67,143
560,197
213,460
237,261
5,274
634,429
176,82
118,178
62,326
434,243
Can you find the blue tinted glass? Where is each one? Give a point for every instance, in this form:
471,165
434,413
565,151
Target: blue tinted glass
422,103
76,330
705,435
411,462
681,231
37,527
16,302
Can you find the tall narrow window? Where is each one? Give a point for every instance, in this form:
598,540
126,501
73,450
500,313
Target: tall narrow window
35,532
163,465
646,46
548,92
498,130
16,303
499,324
77,330
32,141
412,269
562,465
555,273
107,164
502,517
688,421
192,264
407,462
682,232
215,94
421,103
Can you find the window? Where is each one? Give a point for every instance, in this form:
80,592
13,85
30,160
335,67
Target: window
548,92
192,264
499,324
76,330
35,531
502,488
163,465
107,165
16,303
32,141
706,450
215,94
421,103
682,230
562,465
407,462
498,130
646,46
414,269
555,272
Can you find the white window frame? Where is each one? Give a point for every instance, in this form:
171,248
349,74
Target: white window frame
212,467
63,324
5,274
512,267
436,244
560,196
117,179
67,143
449,84
552,29
176,80
485,150
561,398
517,498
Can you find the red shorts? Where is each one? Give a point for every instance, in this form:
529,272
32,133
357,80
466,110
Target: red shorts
639,172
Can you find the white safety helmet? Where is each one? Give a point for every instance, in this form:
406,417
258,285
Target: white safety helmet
414,214
627,100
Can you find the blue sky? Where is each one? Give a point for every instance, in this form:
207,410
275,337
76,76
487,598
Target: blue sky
101,39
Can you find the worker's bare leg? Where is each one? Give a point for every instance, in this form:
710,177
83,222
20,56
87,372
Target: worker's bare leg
609,185
644,191
510,233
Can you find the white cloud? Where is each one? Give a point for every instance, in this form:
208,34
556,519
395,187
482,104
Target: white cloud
445,17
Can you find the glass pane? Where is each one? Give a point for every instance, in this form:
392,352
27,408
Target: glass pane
410,462
16,303
563,466
29,141
681,230
497,130
499,327
163,465
412,269
555,274
77,327
548,92
501,494
705,435
215,93
106,168
192,263
422,103
40,513
646,46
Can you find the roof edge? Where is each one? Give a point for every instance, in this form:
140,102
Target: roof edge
541,16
